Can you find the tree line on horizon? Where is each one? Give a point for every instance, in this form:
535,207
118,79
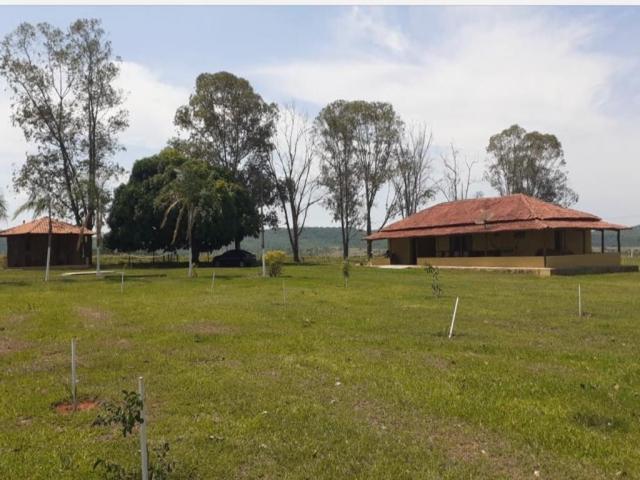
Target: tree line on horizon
237,162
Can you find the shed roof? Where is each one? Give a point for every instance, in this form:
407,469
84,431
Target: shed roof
40,226
496,214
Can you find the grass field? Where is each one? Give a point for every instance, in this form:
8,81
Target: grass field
358,382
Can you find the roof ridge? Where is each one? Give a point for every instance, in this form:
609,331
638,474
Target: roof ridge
525,198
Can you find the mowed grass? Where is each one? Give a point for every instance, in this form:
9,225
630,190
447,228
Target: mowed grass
358,382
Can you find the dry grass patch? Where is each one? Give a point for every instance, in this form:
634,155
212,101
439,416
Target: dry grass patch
15,318
466,444
12,345
93,315
209,328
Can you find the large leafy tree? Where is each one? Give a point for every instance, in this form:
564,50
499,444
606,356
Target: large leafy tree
531,163
377,132
65,102
136,217
230,126
335,127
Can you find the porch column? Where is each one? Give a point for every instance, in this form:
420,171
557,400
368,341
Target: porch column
618,235
602,240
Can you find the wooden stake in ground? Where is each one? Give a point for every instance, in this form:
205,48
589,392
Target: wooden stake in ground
213,280
74,380
144,452
453,318
122,283
579,301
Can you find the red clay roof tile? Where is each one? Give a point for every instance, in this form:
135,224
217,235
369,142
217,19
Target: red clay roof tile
41,226
509,213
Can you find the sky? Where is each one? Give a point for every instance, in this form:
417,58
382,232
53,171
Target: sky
465,72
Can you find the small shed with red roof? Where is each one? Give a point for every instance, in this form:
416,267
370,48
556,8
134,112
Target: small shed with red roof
515,231
27,244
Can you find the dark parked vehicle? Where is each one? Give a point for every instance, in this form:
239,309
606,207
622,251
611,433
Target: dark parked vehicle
235,258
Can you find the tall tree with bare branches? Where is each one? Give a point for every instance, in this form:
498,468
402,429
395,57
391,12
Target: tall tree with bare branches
65,102
457,177
3,207
413,174
291,167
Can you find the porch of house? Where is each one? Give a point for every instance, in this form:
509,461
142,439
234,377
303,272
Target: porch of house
542,252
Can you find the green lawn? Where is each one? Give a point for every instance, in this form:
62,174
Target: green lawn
358,382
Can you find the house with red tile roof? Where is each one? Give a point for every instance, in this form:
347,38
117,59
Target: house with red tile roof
510,232
27,244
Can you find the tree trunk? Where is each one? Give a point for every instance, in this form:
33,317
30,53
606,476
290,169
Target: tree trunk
49,236
190,274
237,243
195,254
264,266
295,247
88,249
369,249
98,239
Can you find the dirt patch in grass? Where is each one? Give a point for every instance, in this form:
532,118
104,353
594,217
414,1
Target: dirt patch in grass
65,408
11,345
15,318
439,363
209,328
93,313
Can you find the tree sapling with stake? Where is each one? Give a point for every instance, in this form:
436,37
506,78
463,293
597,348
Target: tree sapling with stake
436,289
131,412
346,271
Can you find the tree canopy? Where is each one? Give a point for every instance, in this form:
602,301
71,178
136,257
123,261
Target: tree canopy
531,163
65,102
230,126
138,210
335,127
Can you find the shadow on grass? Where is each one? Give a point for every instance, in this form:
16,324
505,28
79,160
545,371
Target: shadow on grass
600,422
15,283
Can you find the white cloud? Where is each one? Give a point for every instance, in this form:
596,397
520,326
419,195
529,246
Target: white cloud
369,27
152,104
490,75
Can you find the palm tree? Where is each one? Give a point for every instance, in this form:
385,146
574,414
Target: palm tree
192,192
39,202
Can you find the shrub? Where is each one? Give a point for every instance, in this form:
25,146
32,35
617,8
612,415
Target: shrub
275,260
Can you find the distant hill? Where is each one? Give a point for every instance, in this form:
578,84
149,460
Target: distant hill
314,241
628,238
